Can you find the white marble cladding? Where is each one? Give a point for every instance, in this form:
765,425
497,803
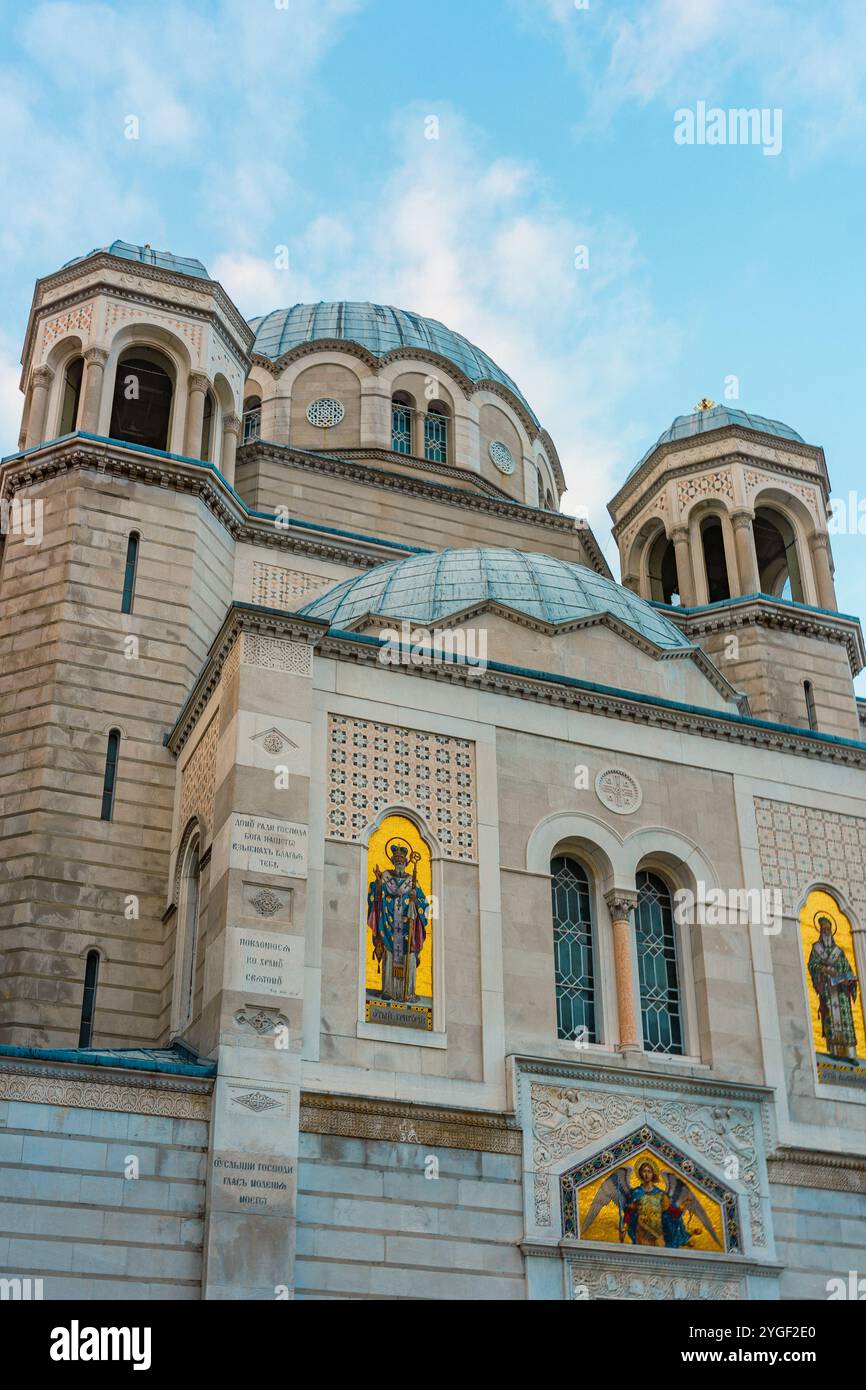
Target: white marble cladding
565,1122
371,766
803,845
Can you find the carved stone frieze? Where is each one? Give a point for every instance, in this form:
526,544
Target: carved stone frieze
397,1123
567,1120
96,1088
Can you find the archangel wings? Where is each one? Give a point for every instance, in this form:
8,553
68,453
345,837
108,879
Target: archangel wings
615,1188
681,1196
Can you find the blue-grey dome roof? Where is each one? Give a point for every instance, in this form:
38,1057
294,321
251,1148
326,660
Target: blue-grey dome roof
427,588
700,421
380,329
146,255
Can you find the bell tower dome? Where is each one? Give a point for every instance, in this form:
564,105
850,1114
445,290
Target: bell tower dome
724,520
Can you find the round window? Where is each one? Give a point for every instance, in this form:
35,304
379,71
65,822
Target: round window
325,413
501,457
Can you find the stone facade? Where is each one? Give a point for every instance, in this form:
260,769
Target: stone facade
224,863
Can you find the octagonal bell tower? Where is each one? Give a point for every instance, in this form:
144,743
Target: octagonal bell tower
724,521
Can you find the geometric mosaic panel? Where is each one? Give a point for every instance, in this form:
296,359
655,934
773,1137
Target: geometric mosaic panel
199,776
372,765
800,845
275,586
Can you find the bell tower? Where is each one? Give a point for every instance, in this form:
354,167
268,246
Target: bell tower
724,521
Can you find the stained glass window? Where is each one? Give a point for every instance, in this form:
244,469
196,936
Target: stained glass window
573,951
658,971
436,437
401,427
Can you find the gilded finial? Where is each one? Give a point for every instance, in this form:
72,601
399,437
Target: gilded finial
704,404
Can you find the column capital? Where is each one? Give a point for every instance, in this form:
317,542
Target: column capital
96,355
678,534
741,518
232,424
42,376
199,381
620,902
819,540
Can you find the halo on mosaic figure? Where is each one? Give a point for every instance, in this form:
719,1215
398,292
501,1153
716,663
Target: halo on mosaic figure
821,917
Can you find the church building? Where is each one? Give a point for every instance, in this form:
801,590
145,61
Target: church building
393,904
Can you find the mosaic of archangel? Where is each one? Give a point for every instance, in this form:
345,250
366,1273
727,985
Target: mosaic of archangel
636,1195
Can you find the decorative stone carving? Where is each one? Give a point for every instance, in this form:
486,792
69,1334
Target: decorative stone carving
273,741
261,1020
396,1122
277,654
371,766
88,1089
651,1281
801,845
258,1102
618,790
325,413
74,320
266,902
276,586
717,484
199,774
566,1120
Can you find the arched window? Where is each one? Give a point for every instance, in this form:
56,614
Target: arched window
715,563
143,391
776,552
658,966
662,571
811,713
129,572
401,423
207,427
88,999
187,942
72,376
436,432
252,418
549,502
109,783
573,954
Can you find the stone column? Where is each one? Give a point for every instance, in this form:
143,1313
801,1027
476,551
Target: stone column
747,559
41,384
683,556
819,547
621,903
231,434
198,384
95,359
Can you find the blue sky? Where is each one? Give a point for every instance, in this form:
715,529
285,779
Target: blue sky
304,125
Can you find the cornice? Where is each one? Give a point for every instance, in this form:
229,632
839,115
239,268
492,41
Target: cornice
631,1079
105,1088
445,470
102,260
399,1122
157,469
673,1264
543,687
387,480
763,611
793,1167
347,345
635,484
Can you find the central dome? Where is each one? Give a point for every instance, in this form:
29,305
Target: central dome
380,329
427,588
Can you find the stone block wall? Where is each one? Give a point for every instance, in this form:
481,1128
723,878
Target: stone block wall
71,1217
372,1225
